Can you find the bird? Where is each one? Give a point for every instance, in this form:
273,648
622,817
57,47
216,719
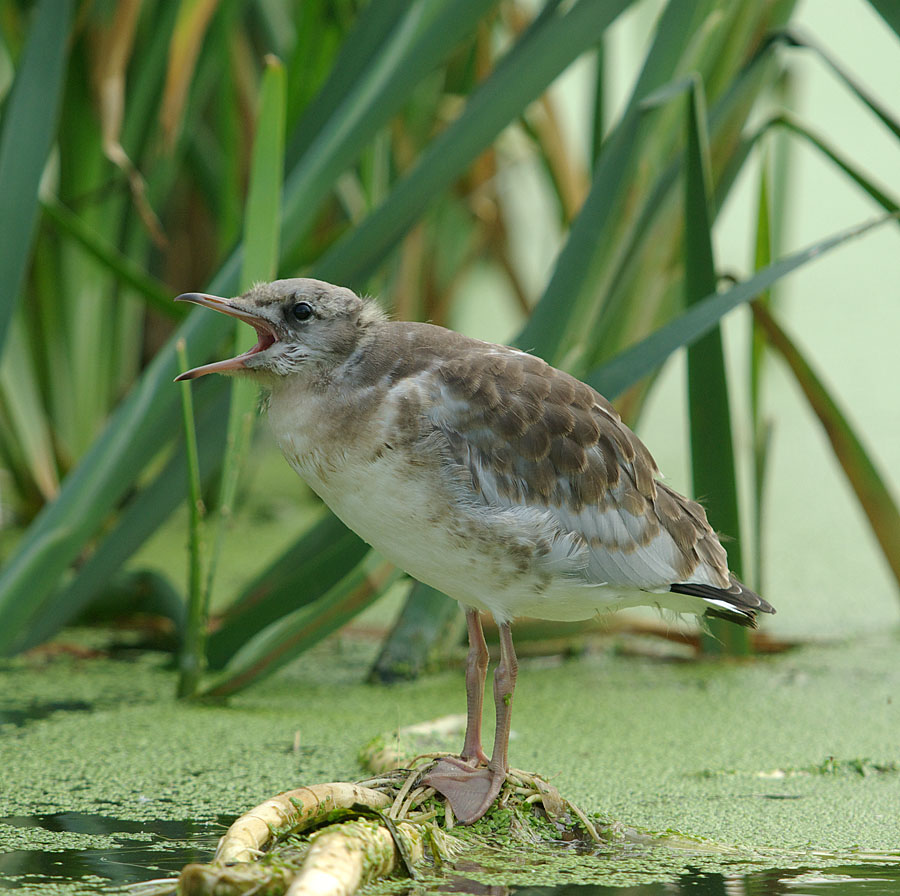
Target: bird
480,470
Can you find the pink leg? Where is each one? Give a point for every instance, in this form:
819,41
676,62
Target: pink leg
504,686
471,791
476,673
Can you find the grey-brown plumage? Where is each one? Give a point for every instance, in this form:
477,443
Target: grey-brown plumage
480,470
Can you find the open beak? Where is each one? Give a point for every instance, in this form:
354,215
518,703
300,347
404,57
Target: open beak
264,334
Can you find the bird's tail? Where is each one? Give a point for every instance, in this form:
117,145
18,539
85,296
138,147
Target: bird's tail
737,603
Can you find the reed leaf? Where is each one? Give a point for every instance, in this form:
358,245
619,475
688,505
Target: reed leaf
289,636
29,125
127,272
141,425
30,440
855,86
712,451
860,177
421,39
261,246
428,625
631,365
192,661
761,426
365,40
149,509
862,474
313,565
549,45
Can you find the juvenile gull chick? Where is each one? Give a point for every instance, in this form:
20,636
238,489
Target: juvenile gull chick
480,470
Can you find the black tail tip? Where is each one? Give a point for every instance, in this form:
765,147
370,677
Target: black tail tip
737,604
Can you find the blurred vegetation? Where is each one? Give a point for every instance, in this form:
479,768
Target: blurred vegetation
129,134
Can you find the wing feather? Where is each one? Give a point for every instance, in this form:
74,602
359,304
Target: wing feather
534,438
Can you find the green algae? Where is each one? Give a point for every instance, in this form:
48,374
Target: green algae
787,761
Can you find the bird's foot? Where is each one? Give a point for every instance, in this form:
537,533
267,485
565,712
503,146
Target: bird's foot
474,756
470,791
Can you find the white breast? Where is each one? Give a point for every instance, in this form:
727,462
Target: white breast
395,506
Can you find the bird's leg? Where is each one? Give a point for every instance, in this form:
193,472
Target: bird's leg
476,673
471,791
504,686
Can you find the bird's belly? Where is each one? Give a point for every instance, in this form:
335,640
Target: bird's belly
468,554
413,525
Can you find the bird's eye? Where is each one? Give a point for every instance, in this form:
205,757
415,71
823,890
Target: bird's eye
302,311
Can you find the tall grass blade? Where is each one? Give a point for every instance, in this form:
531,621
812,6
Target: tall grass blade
29,124
421,39
20,404
262,221
633,364
861,472
126,271
143,515
261,245
288,637
575,299
712,451
598,86
854,172
532,63
547,329
192,661
302,574
880,111
140,426
366,39
644,258
761,426
187,38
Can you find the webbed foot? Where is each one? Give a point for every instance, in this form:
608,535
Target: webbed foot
470,791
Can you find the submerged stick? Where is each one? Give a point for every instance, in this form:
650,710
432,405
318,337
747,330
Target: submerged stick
293,810
341,857
344,857
233,880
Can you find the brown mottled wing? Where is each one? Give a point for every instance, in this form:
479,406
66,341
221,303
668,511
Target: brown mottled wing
532,436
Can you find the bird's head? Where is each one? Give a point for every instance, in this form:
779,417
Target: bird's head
297,322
